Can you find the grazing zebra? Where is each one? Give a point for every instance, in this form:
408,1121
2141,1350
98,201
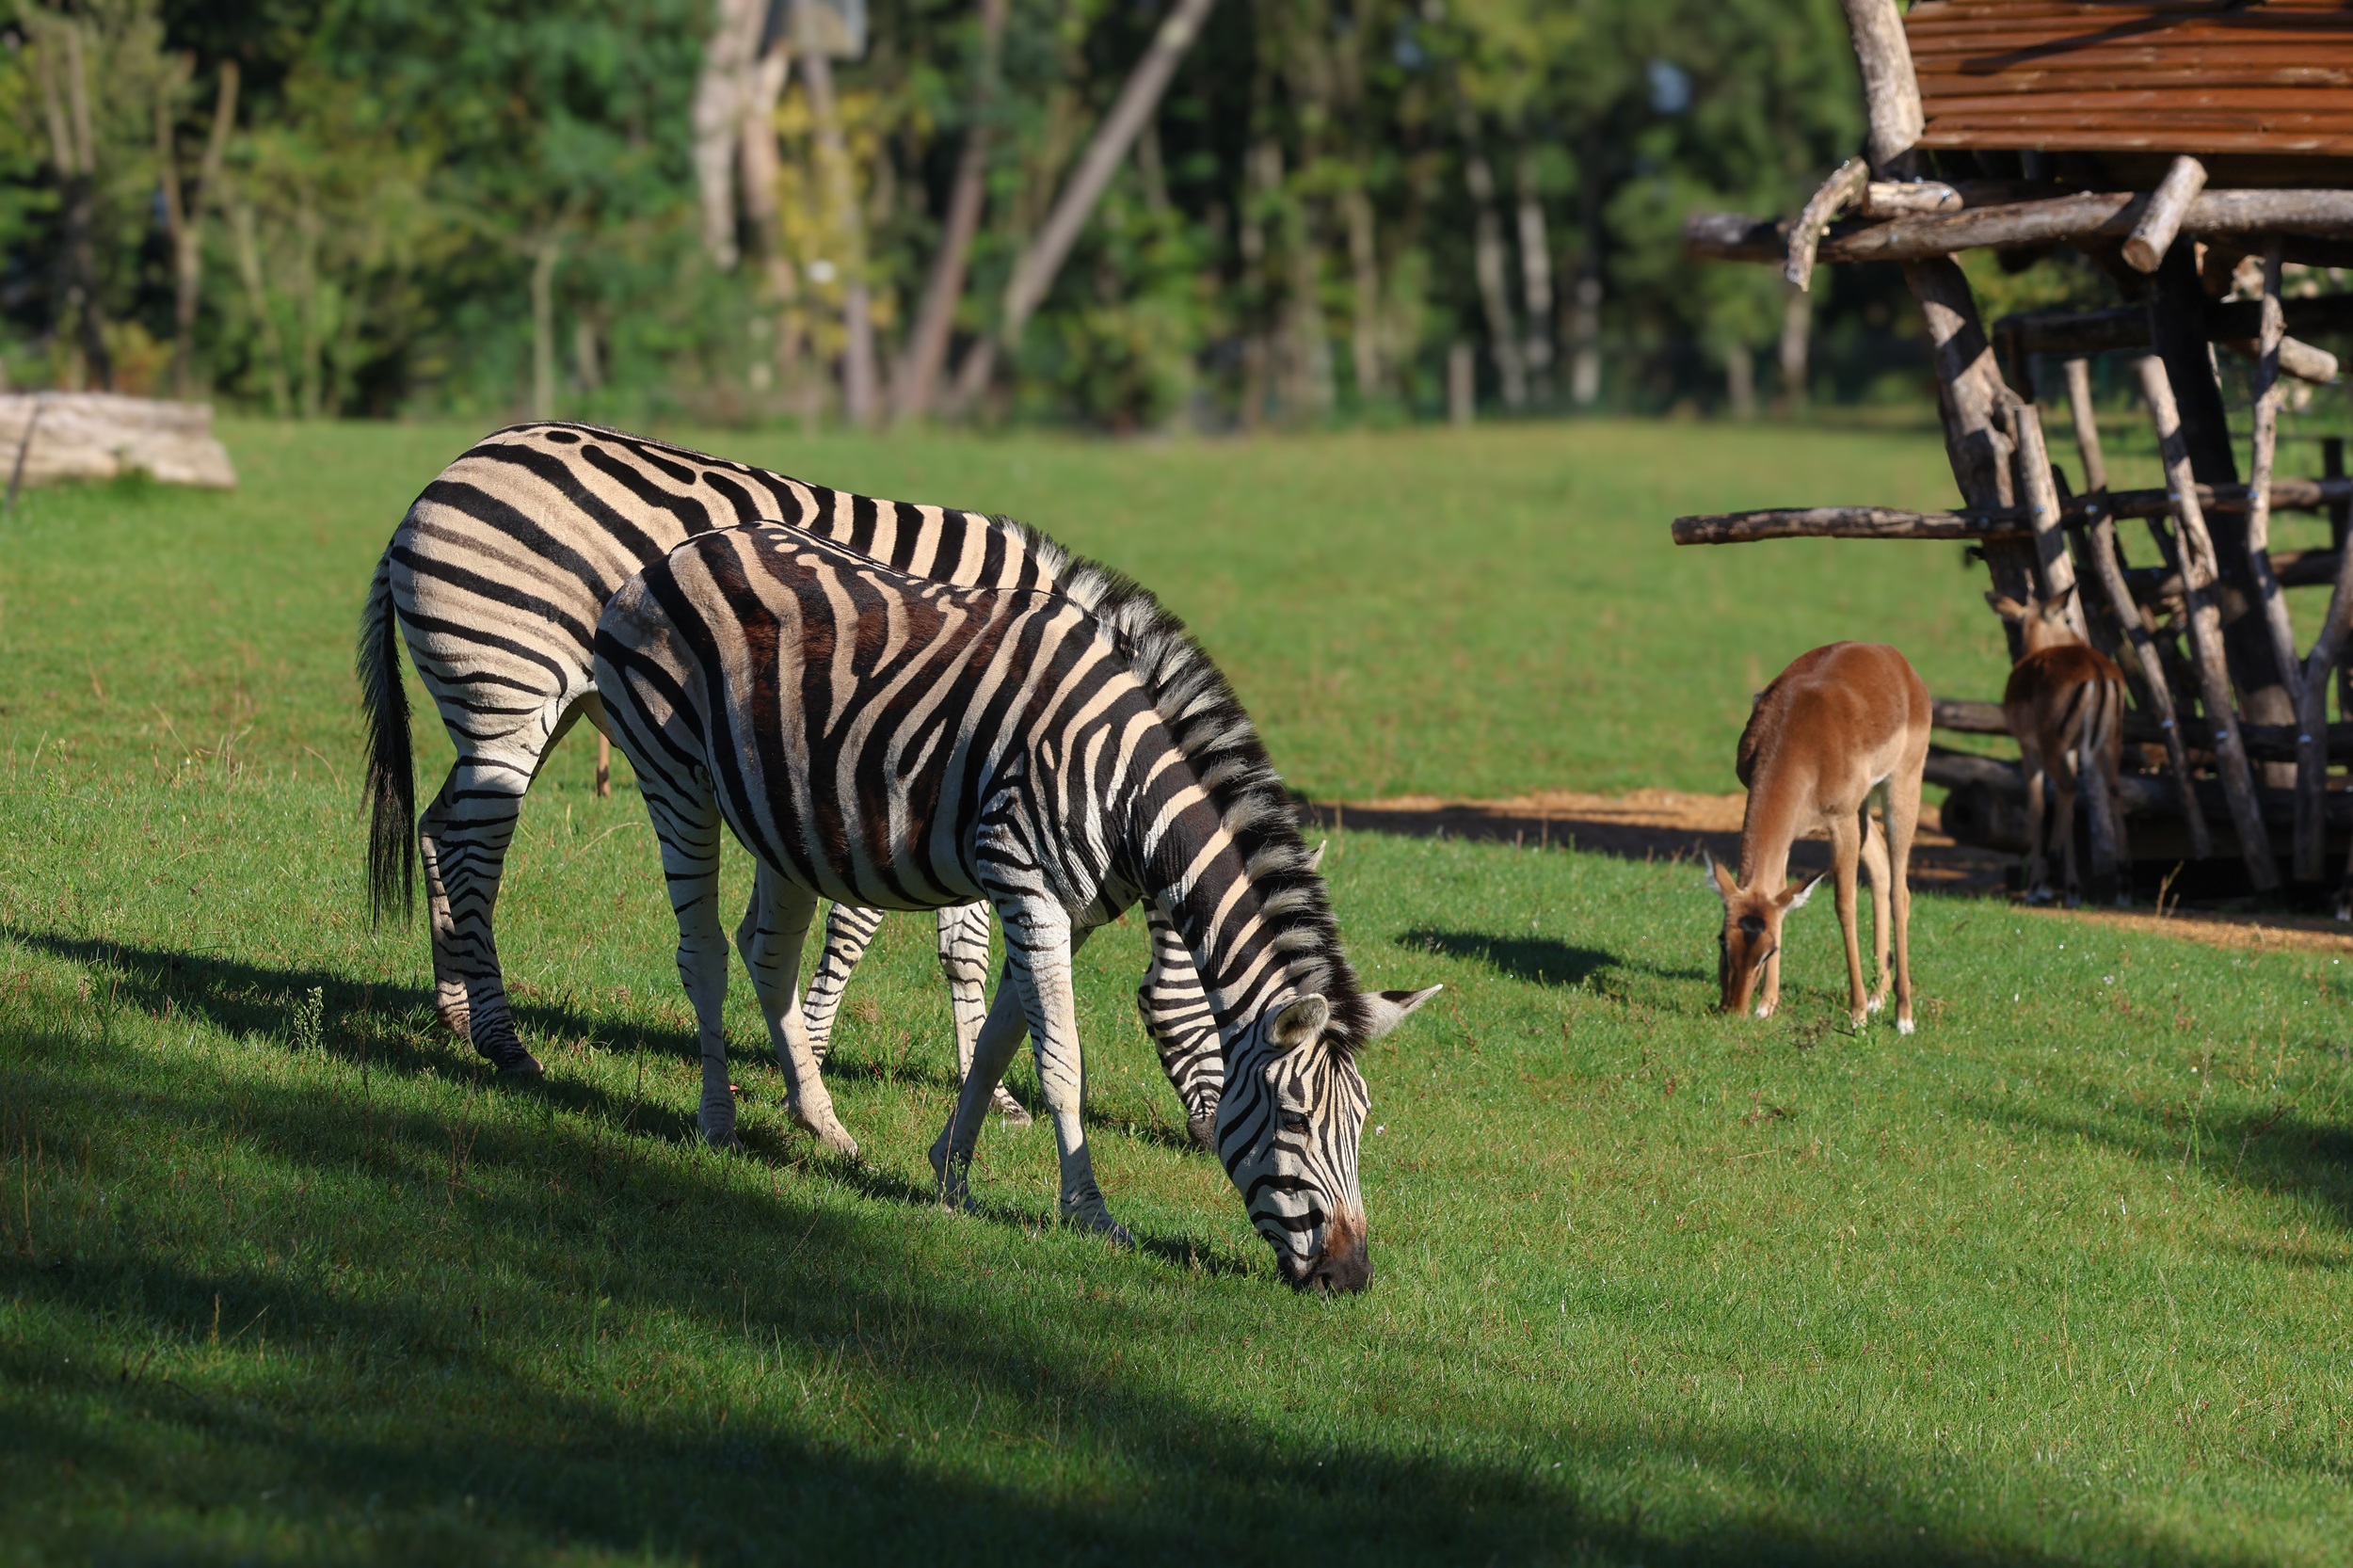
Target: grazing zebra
889,742
497,576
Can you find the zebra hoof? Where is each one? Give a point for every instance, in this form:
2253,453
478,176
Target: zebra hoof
1009,1111
509,1058
830,1133
457,1021
1203,1129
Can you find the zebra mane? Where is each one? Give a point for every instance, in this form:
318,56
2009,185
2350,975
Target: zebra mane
1213,730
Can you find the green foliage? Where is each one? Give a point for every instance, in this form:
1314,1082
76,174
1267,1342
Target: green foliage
1291,243
284,1277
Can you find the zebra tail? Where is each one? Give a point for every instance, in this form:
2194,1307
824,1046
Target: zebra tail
391,790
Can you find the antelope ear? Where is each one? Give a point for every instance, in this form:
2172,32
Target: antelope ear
1795,898
1723,881
2006,607
1299,1022
1392,1008
2057,602
1315,861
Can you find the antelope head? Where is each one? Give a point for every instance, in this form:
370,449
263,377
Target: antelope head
1752,933
2042,623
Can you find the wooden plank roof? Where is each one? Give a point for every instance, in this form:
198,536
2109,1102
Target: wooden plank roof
2264,77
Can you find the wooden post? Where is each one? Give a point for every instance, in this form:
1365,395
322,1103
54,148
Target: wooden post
604,766
2177,307
1891,90
2110,571
2311,729
2153,236
2086,423
2267,441
2041,496
2198,575
2340,526
1973,399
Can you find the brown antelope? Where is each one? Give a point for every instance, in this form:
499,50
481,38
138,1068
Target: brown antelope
1838,723
2065,704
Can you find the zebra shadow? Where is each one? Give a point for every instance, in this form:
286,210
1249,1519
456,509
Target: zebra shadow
386,1028
1536,960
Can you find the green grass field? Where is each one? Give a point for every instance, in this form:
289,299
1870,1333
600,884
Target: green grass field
285,1276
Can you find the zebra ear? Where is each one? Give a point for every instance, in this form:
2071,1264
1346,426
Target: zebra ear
1391,1008
1315,861
1300,1023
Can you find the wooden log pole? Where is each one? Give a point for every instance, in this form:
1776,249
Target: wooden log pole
1847,522
1974,402
2086,419
2266,441
1891,90
2340,526
2040,494
2109,570
2177,303
2152,235
2200,572
2312,737
1850,181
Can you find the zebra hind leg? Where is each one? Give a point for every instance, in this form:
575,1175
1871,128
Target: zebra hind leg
999,1038
849,930
1039,943
449,982
465,837
963,959
775,929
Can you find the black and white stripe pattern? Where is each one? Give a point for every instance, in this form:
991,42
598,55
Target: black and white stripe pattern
497,576
893,742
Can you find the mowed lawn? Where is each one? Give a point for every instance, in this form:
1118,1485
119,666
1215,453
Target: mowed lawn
286,1277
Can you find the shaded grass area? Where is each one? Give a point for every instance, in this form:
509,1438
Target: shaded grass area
285,1275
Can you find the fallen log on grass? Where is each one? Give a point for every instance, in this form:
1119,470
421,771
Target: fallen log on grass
46,436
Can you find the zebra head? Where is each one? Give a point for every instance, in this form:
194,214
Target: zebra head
1288,1127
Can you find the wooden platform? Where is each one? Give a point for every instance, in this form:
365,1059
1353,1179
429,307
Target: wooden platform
2138,76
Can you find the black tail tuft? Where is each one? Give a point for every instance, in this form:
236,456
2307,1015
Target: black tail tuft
390,791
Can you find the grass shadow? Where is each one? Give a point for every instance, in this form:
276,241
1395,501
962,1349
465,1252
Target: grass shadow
1537,960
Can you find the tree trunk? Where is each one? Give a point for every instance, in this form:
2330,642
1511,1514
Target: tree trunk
1585,313
719,94
764,214
1487,260
916,382
1033,273
249,251
1535,279
1797,330
1740,379
544,257
73,153
860,394
1365,270
183,214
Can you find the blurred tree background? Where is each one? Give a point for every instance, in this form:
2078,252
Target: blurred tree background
1113,213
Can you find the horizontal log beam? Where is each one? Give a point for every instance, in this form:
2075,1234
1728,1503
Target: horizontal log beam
2142,794
2109,216
2235,325
2269,742
1889,522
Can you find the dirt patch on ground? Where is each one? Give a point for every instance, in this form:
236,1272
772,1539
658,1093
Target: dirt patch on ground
1669,824
1647,825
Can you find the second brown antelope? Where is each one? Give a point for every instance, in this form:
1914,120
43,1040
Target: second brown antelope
2065,705
1839,723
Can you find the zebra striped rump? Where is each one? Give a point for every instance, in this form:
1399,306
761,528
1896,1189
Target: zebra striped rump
896,743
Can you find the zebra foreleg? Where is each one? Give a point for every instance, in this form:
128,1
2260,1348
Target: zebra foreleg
775,929
1176,1016
463,838
849,930
964,960
999,1038
1038,947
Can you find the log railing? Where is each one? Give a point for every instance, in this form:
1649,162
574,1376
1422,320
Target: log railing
1892,523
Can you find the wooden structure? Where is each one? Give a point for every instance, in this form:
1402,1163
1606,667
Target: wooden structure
2169,141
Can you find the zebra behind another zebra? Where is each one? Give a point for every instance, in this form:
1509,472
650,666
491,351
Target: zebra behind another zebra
889,742
496,577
